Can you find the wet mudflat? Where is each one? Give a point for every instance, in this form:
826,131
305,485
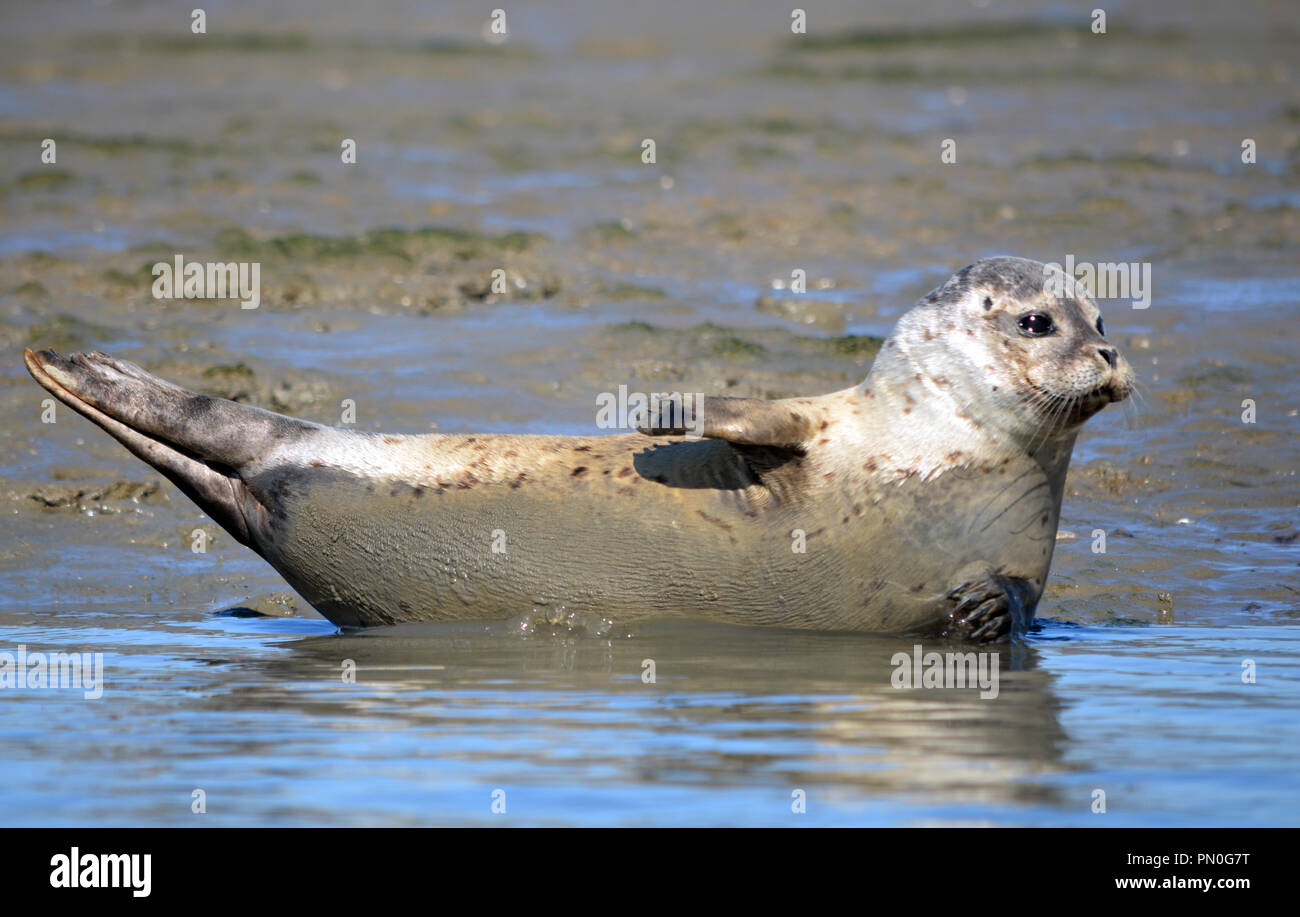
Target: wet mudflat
775,152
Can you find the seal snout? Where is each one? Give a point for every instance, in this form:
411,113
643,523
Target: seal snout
1119,375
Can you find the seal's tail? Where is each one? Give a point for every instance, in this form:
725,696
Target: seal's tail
200,443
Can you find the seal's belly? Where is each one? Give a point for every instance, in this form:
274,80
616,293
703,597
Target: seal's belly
366,554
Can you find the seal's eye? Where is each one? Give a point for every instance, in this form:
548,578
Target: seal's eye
1035,324
1101,328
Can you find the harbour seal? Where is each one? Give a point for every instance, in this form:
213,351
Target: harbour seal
924,499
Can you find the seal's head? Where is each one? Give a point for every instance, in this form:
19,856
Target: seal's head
1018,346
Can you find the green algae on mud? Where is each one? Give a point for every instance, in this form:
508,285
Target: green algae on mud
40,180
951,35
421,270
60,332
710,339
402,244
757,362
290,43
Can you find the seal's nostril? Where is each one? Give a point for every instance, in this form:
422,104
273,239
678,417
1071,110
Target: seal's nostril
1110,356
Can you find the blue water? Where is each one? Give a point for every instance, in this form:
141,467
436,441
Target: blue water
254,712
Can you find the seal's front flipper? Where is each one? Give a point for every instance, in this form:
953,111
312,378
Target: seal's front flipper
990,608
742,421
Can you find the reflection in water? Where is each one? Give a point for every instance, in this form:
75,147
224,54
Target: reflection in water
255,712
780,710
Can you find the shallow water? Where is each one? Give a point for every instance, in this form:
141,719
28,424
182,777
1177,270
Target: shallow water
773,155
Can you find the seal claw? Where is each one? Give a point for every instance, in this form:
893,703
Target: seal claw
989,609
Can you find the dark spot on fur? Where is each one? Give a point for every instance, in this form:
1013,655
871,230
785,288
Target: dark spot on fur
830,475
418,492
988,303
581,448
390,440
514,485
578,472
718,522
624,471
825,424
824,441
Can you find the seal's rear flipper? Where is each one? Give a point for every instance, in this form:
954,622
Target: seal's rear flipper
199,443
742,421
213,429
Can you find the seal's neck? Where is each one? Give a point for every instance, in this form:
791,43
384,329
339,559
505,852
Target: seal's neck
925,424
